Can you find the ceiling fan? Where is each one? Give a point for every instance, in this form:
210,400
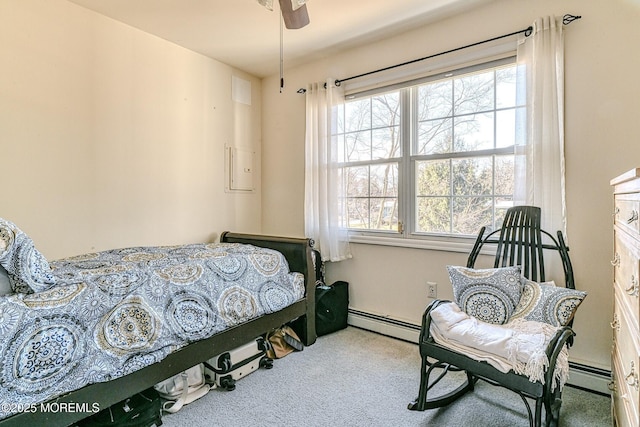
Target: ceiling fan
294,12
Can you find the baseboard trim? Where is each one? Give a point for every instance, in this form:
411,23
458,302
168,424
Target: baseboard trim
585,377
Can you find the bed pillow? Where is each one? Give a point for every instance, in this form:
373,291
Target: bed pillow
490,294
544,302
28,270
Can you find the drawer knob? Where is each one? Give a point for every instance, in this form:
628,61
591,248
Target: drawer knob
616,323
634,289
616,260
632,378
633,217
616,211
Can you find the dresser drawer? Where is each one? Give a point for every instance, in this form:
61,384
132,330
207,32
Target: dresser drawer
626,358
626,273
625,334
626,211
625,407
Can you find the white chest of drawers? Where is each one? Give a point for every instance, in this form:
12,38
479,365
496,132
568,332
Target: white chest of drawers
625,354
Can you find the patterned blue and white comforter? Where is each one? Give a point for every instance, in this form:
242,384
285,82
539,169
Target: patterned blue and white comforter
114,312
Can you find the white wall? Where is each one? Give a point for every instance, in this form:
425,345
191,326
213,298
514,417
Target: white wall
602,104
111,137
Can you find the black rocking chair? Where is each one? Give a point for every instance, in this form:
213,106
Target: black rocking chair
518,242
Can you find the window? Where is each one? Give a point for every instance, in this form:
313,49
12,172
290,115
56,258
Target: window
433,157
371,151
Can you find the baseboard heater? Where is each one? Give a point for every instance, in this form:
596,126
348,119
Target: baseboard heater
585,377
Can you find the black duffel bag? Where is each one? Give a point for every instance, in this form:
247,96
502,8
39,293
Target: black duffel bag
332,303
332,307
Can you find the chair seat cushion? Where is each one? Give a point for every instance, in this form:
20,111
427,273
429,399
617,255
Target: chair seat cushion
489,294
517,346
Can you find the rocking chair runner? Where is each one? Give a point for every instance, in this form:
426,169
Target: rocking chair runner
518,243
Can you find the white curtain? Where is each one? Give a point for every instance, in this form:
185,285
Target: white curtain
540,169
323,202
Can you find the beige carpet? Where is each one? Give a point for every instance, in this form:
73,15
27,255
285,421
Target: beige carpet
358,378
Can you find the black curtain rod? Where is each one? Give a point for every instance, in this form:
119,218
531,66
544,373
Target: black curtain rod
566,20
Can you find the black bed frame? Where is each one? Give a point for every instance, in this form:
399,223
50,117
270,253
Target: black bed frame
297,251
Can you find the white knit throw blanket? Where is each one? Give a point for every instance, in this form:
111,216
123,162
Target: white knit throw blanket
518,345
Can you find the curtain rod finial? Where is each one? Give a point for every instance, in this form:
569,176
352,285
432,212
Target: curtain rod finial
568,19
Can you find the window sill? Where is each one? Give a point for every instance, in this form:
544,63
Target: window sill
450,244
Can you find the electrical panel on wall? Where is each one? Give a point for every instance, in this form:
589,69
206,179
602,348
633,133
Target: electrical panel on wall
240,172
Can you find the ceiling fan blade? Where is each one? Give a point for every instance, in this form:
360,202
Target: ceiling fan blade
294,19
297,3
267,3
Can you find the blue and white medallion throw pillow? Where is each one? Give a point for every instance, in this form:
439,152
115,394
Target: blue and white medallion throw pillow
490,295
27,268
544,302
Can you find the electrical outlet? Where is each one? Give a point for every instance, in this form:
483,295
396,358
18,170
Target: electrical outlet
432,289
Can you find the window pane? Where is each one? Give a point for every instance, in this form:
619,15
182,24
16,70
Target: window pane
385,110
358,146
473,93
433,178
434,136
384,180
472,177
357,115
358,213
386,143
372,196
506,87
473,132
433,215
505,128
384,214
471,213
357,181
504,175
435,101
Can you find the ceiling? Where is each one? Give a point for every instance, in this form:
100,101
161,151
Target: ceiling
245,35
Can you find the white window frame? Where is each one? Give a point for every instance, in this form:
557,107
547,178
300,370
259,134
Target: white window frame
406,195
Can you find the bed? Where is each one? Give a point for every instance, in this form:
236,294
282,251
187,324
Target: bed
66,353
